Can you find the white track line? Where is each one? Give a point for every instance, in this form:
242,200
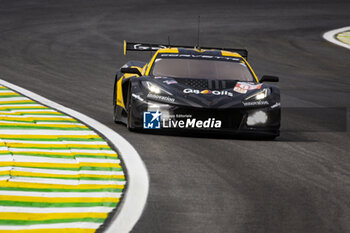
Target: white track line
63,181
23,111
83,225
92,151
131,207
330,36
20,105
35,116
45,210
68,160
46,132
59,194
65,142
61,172
13,99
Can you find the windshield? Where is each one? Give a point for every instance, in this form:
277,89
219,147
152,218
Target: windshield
202,69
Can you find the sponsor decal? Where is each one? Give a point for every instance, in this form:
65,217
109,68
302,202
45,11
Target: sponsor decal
192,123
276,105
206,92
183,116
242,87
160,98
148,47
137,97
151,120
256,103
169,82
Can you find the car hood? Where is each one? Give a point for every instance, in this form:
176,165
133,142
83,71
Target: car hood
204,93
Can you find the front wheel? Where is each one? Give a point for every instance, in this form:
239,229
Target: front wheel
117,112
130,110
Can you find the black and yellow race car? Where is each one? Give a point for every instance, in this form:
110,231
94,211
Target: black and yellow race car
187,88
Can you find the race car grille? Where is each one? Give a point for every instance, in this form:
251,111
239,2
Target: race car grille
194,83
207,83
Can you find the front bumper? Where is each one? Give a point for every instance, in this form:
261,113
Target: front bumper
180,118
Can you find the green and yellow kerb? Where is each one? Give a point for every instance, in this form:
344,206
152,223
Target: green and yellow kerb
344,37
56,174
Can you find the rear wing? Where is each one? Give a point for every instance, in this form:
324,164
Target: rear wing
131,46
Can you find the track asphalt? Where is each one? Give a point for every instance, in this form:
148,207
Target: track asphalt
69,52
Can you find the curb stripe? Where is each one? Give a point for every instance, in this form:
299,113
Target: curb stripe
44,133
59,194
331,36
138,181
66,143
66,230
65,181
47,166
99,209
5,184
63,172
63,190
61,226
45,216
90,151
57,200
46,204
58,142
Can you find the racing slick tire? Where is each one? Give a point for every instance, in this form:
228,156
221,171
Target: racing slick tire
117,114
130,110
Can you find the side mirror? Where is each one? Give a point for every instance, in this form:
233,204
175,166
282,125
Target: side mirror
269,78
129,70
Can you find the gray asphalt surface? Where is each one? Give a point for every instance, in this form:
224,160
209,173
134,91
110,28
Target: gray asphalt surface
69,52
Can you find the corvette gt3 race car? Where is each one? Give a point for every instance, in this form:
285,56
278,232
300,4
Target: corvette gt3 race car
187,88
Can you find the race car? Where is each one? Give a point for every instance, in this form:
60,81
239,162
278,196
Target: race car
189,88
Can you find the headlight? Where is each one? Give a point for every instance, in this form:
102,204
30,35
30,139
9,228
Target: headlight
260,95
163,108
154,88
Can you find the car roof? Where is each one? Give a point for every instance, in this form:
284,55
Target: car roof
194,51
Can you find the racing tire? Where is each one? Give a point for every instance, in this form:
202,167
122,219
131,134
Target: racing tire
130,109
117,114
